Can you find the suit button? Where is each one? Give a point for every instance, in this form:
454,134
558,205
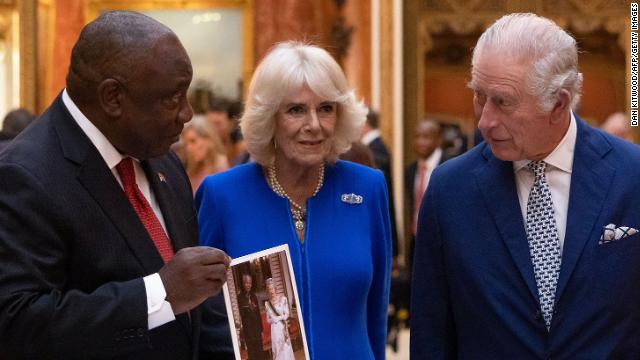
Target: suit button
141,332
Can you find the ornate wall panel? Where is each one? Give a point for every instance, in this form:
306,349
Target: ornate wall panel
246,7
9,63
448,29
66,31
28,54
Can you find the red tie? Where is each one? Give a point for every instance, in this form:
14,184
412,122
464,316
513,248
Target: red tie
143,209
418,194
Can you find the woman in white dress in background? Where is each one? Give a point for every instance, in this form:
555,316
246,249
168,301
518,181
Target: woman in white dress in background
277,314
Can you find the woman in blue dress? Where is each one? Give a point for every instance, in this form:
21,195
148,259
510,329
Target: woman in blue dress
300,116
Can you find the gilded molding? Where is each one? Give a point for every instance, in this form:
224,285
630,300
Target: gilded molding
28,54
95,7
5,24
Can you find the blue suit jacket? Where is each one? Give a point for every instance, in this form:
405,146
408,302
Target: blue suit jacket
474,294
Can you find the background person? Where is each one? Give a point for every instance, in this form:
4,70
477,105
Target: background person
618,124
202,150
427,143
300,115
371,137
14,122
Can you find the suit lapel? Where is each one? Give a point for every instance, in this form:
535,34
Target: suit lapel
591,179
103,187
99,181
174,221
496,181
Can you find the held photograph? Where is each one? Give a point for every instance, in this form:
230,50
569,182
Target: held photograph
264,312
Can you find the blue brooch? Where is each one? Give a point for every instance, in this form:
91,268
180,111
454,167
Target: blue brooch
352,199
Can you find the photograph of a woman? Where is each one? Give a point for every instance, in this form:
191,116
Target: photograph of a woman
263,306
277,313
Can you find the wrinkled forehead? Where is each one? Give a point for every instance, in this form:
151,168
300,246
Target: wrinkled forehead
494,70
167,52
164,61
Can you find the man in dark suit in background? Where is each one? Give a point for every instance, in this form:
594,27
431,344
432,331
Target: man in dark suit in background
382,159
427,142
97,224
527,245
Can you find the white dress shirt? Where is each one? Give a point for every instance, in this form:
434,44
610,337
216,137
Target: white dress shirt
159,310
370,136
431,162
558,173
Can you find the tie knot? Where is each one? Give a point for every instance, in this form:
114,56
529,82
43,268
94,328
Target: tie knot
126,172
538,168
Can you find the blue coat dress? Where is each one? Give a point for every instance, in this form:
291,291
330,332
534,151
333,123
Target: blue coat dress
342,268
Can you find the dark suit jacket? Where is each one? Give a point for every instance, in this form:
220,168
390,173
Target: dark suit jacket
410,176
474,294
409,179
73,251
5,140
382,160
251,324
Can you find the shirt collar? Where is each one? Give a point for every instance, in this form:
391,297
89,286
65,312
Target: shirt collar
562,156
434,159
108,152
370,136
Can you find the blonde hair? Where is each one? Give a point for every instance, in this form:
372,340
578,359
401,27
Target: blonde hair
287,67
201,126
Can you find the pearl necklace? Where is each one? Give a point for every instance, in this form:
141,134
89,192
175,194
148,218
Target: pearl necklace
298,212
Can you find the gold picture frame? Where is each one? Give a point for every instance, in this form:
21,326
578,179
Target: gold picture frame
94,7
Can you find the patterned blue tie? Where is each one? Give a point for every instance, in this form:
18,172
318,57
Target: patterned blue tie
544,243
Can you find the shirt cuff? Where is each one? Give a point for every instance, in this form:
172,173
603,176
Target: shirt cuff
158,309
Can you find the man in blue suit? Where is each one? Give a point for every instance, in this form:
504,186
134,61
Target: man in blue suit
527,245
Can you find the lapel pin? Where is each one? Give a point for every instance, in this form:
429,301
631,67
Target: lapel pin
352,199
161,177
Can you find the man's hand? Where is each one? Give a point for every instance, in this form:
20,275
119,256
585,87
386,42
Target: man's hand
192,275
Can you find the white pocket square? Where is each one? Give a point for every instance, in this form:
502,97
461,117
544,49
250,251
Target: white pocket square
612,233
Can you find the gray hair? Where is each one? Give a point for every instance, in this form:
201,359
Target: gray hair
288,67
551,51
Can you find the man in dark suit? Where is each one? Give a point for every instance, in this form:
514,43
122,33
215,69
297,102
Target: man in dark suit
382,159
527,245
427,143
97,224
251,319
